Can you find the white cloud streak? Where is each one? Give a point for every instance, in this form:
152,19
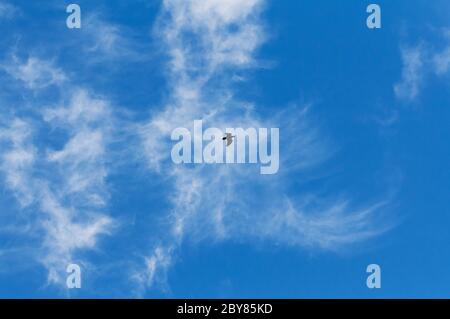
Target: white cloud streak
36,74
65,187
7,10
420,62
18,158
441,60
207,41
412,74
104,41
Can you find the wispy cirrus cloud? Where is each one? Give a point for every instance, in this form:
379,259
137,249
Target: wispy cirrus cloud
18,159
412,74
441,60
7,10
105,38
35,73
56,160
207,42
104,41
420,62
63,185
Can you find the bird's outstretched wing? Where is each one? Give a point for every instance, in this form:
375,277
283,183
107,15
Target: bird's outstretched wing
229,140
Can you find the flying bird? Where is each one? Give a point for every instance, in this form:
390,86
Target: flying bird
229,138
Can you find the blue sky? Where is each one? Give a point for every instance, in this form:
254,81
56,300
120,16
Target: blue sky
86,175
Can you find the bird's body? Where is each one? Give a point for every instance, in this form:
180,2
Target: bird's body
229,138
